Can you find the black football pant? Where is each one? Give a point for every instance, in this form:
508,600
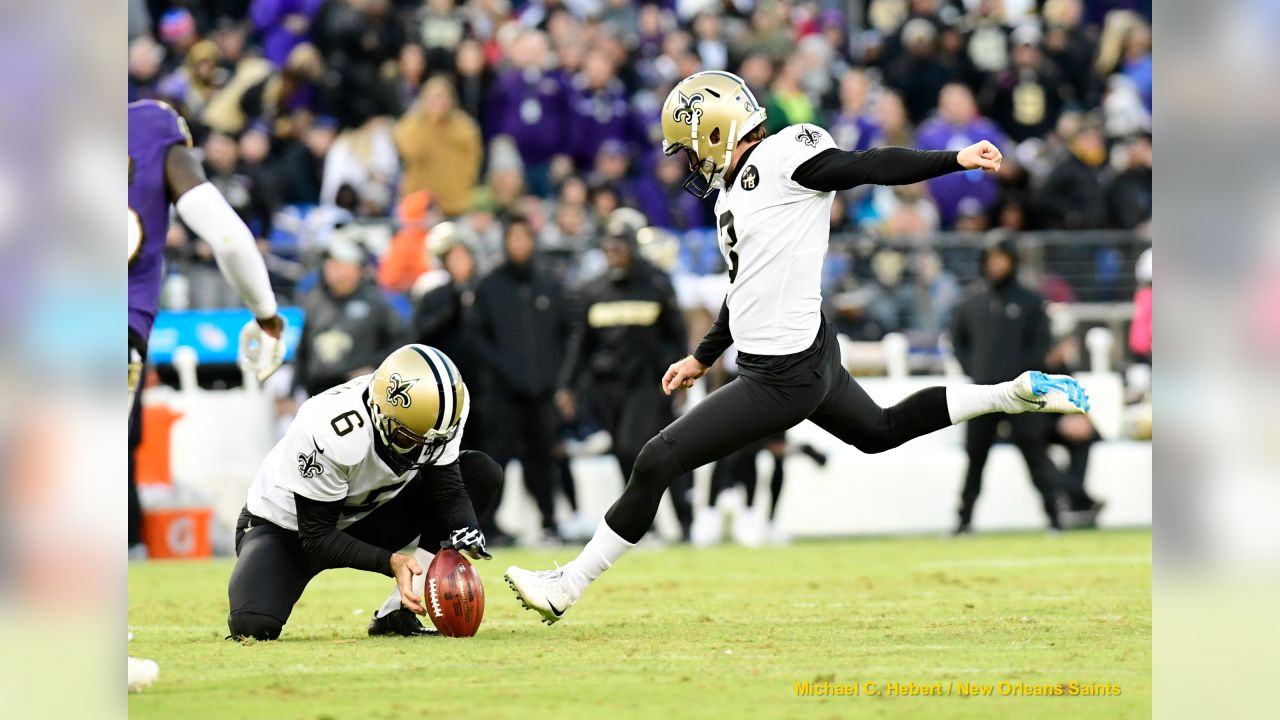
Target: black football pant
747,410
1028,433
525,429
272,569
632,413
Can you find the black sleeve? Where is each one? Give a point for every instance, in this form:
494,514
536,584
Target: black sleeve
717,339
835,169
321,538
451,498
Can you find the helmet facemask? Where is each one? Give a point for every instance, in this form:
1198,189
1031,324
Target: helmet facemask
705,175
406,443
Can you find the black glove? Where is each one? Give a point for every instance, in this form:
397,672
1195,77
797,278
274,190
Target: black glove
468,540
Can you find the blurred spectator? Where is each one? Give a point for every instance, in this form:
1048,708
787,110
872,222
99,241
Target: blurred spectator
1071,197
611,164
521,329
300,169
440,147
852,127
349,327
178,33
628,331
770,31
1068,43
506,175
364,158
1125,47
356,38
900,211
891,116
282,24
987,46
935,292
444,317
1129,196
757,70
297,86
406,258
441,27
999,331
471,77
890,299
410,75
190,86
787,103
919,75
244,182
1026,98
710,45
661,196
957,125
531,106
598,109
144,67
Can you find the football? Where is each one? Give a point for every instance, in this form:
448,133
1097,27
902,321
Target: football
454,595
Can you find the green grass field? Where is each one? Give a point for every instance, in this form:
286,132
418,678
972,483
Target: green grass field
723,632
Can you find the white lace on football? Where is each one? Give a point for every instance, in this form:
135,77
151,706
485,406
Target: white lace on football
433,594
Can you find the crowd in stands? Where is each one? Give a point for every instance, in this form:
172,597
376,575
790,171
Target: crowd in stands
311,114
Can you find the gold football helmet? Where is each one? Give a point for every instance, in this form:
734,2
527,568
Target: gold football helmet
706,115
417,396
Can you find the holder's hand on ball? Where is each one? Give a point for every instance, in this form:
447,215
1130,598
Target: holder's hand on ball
683,374
404,567
468,540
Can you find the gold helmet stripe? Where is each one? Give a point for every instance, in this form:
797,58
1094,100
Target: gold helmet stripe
439,426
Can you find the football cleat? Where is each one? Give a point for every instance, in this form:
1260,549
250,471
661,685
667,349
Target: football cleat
142,673
1038,392
545,591
399,622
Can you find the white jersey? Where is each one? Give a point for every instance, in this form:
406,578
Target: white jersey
773,233
329,454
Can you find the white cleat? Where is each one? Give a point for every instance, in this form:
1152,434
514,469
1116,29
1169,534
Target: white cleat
1037,392
545,591
142,673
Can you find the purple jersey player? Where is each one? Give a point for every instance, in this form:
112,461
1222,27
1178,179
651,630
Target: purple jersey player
162,170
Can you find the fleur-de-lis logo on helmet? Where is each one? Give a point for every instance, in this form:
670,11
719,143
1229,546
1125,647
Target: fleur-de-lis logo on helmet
688,107
398,390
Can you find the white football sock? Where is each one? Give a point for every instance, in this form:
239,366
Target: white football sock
965,402
393,602
601,552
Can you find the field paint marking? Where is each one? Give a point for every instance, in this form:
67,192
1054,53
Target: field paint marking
1038,562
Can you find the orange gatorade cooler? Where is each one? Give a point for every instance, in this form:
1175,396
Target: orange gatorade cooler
177,533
